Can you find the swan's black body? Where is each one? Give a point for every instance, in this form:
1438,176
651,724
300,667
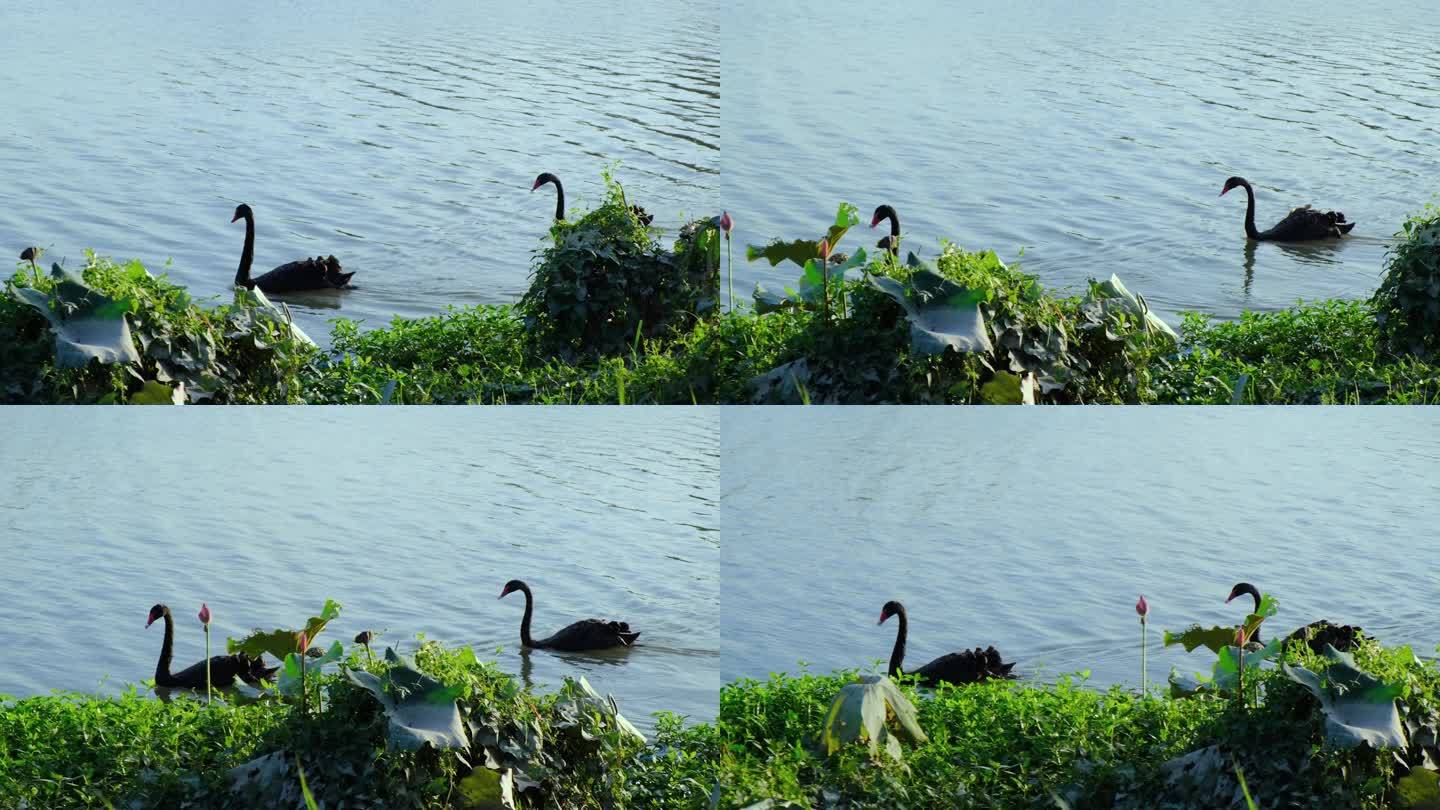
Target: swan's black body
966,666
319,273
891,242
224,669
586,634
1301,225
1315,635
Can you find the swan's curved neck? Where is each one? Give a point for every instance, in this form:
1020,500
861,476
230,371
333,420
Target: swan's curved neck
1250,230
894,226
897,655
525,621
247,255
162,667
559,217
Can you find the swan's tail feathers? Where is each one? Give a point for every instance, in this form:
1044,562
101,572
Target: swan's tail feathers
1343,226
628,639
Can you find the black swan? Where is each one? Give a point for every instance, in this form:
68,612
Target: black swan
1314,635
586,634
966,666
891,242
224,669
547,177
319,273
1300,225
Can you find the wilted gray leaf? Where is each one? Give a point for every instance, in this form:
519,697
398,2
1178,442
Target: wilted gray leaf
1359,708
943,315
88,324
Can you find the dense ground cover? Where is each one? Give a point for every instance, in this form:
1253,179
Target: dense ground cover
1063,745
614,317
451,731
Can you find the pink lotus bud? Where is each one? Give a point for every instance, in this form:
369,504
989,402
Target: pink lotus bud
825,249
726,223
302,641
1241,637
204,614
1142,607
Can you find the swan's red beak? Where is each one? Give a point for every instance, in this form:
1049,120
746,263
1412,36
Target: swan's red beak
149,620
883,617
537,185
875,220
1223,190
503,593
235,218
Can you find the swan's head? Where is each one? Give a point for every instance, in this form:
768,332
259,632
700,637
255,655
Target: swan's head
511,587
242,211
544,178
1242,588
892,608
155,613
882,213
1234,182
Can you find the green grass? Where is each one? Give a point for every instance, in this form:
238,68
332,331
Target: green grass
1023,745
75,750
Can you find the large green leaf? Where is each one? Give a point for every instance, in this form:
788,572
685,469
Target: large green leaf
421,709
289,679
943,315
88,324
280,642
1213,639
809,289
861,710
1359,708
801,251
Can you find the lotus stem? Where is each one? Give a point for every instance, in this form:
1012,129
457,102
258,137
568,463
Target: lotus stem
207,665
1144,674
1244,704
730,271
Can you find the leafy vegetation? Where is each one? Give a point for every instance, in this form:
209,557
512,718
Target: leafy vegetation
439,729
604,283
613,317
1008,744
1407,305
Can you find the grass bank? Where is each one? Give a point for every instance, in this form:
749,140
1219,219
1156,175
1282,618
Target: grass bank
439,729
1029,745
614,317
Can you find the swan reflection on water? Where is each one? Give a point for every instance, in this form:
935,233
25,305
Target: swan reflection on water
1320,253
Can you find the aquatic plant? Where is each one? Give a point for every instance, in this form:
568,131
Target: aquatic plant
861,711
1143,609
205,622
726,225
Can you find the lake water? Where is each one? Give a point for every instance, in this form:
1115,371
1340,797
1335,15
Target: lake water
1095,135
412,520
402,138
1038,532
